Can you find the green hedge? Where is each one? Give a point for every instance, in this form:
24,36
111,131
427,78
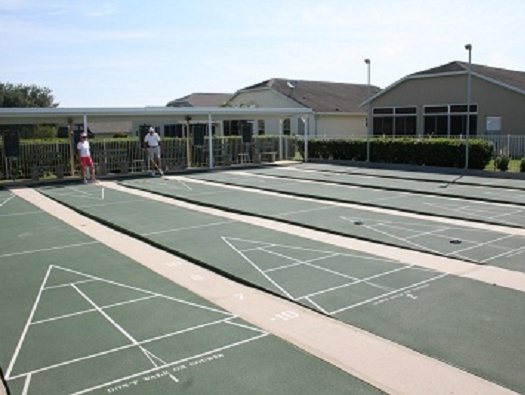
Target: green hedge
410,151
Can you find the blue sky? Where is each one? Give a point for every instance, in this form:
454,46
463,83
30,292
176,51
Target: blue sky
135,53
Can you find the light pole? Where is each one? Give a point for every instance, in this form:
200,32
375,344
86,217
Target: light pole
368,117
468,47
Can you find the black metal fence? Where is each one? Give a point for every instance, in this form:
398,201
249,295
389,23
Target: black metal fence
37,160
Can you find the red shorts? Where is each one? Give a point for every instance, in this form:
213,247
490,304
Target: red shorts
86,161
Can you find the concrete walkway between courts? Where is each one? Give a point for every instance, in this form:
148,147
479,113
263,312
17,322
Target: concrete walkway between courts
382,363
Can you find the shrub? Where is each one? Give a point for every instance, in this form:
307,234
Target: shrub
522,165
502,163
413,151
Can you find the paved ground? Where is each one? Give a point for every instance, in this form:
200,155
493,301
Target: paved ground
81,318
406,320
501,246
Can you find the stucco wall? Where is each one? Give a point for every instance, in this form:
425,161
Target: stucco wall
321,125
492,100
337,126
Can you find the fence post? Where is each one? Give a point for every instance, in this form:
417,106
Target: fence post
71,149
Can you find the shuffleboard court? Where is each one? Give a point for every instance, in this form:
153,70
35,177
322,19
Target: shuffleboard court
450,188
79,318
475,326
482,246
493,213
456,176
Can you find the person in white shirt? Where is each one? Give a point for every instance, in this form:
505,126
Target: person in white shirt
84,156
152,145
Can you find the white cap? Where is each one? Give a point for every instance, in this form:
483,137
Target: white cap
83,135
152,129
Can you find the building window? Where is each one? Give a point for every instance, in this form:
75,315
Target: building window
301,126
395,121
287,127
231,128
174,130
449,120
261,127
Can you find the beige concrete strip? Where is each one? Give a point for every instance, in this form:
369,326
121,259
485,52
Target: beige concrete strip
489,274
3,391
382,363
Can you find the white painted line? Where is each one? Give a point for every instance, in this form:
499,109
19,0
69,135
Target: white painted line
510,253
106,307
359,281
387,294
20,214
182,301
225,239
26,327
117,349
8,199
27,383
69,284
252,328
48,249
477,245
188,228
87,390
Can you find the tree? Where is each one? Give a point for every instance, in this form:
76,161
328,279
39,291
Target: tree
25,96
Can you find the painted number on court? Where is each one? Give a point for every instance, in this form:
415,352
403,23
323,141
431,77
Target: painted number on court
285,316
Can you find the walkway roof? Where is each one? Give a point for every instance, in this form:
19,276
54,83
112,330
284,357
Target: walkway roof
142,114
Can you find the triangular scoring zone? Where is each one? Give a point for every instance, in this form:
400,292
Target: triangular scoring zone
329,281
58,277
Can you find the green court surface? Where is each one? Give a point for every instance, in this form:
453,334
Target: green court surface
472,325
476,245
456,177
430,203
76,317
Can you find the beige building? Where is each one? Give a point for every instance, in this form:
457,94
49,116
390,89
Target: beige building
434,102
336,106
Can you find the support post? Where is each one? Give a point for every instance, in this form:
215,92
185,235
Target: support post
72,150
210,141
468,47
369,112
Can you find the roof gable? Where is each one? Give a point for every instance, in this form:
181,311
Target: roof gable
327,97
510,79
201,100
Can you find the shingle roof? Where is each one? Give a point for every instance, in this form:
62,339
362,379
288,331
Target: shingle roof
320,96
512,78
201,100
